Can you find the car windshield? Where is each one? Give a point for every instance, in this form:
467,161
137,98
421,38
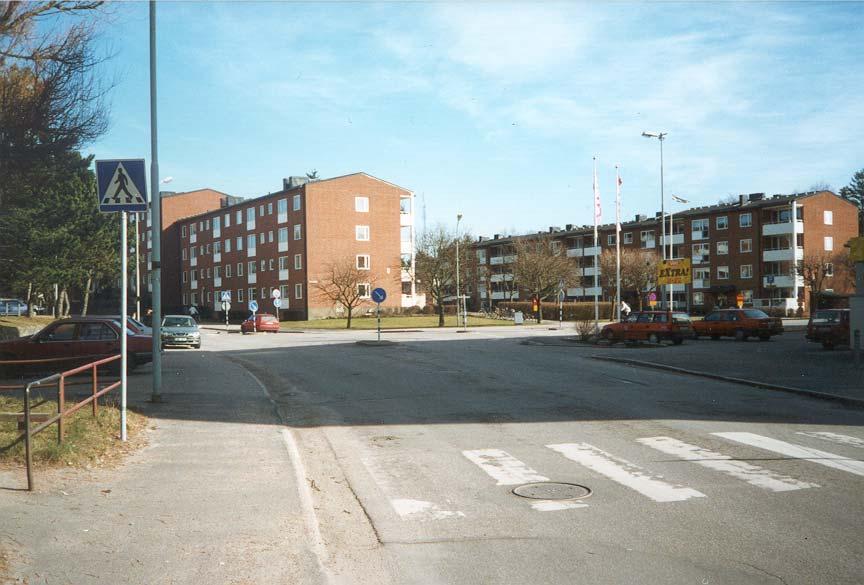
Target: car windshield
826,316
680,318
755,314
178,322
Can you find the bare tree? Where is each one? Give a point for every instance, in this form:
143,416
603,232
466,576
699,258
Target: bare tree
436,265
541,266
814,269
638,271
345,285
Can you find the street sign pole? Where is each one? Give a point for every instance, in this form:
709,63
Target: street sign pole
124,253
156,219
378,316
379,295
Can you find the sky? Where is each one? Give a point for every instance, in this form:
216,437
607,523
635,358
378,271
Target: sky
494,110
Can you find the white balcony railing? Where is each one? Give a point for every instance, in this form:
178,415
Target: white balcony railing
283,246
217,281
785,254
649,244
676,239
217,257
782,281
193,261
495,260
193,238
500,277
283,274
580,252
782,228
193,285
701,283
250,252
251,278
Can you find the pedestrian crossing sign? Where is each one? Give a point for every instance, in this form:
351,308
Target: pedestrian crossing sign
121,185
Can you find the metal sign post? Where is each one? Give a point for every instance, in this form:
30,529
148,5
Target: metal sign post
226,306
121,185
379,295
277,301
253,306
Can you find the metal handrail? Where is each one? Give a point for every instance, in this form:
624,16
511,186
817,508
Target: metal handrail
60,379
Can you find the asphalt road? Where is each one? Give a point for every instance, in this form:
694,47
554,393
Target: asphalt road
412,451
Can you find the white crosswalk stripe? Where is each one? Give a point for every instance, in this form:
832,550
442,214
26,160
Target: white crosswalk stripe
834,438
752,474
624,472
797,451
503,467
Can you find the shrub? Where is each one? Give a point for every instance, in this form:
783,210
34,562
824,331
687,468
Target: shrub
573,311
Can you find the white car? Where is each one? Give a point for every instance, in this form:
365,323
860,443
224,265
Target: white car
13,307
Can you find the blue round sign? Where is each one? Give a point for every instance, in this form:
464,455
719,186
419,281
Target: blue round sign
277,302
379,295
253,306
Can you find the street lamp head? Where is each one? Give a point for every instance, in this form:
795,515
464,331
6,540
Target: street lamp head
660,135
680,199
458,216
166,180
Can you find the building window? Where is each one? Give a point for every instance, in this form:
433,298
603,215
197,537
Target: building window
200,226
239,269
227,245
227,271
298,232
283,290
194,275
263,293
406,287
746,246
270,236
646,238
207,224
701,253
722,222
185,298
361,233
283,262
253,293
183,232
364,290
295,205
722,273
746,271
261,210
194,298
192,229
227,220
208,272
185,253
239,242
263,265
193,252
217,272
610,240
404,205
828,217
745,220
700,229
239,295
250,215
298,261
251,268
748,296
361,204
363,262
404,233
217,223
698,298
405,259
829,269
250,241
201,250
628,238
217,247
282,206
185,276
722,248
298,291
270,264
207,249
270,208
829,243
262,238
238,217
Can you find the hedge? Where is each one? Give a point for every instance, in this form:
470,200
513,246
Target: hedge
572,311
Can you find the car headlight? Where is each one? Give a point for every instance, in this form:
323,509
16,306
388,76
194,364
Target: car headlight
195,334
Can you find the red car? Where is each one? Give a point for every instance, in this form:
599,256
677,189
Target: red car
830,327
69,343
651,326
260,322
738,323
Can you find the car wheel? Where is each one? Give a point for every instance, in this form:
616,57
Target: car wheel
653,338
609,336
197,346
764,338
827,345
740,335
715,337
678,340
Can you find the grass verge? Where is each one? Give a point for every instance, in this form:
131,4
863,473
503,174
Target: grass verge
38,321
400,322
88,442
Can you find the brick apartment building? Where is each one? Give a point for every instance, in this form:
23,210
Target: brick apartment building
174,206
286,240
750,247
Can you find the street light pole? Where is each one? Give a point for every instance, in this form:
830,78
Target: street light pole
458,306
660,136
156,218
671,250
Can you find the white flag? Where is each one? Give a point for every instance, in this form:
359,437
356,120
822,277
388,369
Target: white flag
597,211
618,183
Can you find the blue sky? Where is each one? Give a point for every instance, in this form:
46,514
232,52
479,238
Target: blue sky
492,109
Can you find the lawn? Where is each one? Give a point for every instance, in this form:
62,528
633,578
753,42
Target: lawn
38,321
400,322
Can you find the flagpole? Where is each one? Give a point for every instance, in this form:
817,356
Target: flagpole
617,244
596,257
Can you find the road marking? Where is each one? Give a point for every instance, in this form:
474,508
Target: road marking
421,510
555,505
624,472
835,438
797,451
752,474
503,467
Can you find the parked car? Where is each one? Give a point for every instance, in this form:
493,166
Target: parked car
830,327
10,307
738,323
822,321
260,322
71,342
652,326
133,324
180,330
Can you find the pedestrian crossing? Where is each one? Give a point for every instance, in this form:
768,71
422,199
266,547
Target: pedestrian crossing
660,468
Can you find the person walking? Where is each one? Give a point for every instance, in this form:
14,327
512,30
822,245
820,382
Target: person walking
625,309
193,312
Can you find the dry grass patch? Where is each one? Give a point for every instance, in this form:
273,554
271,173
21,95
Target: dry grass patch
88,442
38,321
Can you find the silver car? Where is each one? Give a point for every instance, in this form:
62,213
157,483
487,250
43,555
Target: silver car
180,330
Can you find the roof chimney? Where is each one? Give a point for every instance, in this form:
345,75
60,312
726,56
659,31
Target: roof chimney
756,196
569,226
293,182
741,200
496,236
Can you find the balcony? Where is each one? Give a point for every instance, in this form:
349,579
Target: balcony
583,291
250,225
217,257
250,252
217,281
782,228
702,259
406,219
193,261
252,278
697,235
783,255
783,281
193,285
648,244
283,246
283,274
580,252
676,239
500,277
496,260
701,283
588,271
502,295
406,247
193,238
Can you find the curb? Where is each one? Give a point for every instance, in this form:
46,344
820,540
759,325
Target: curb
847,400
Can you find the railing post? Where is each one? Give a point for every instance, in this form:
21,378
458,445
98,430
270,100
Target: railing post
95,390
61,406
28,455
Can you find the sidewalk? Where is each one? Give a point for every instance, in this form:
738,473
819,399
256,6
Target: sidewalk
212,499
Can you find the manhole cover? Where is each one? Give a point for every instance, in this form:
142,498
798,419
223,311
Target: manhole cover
552,490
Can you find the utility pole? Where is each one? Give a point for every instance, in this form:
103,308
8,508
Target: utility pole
156,218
